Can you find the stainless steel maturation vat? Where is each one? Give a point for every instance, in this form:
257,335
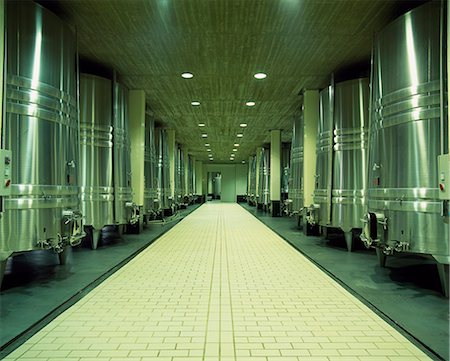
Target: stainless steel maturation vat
40,127
191,179
296,186
163,190
264,180
126,211
285,169
179,175
96,154
320,211
351,110
150,170
251,196
408,132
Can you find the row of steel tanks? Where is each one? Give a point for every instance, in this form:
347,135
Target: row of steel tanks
263,190
382,150
105,174
40,207
258,188
158,200
67,162
408,166
341,158
251,188
295,192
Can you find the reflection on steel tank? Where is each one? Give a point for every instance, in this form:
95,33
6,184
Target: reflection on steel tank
319,212
351,113
285,171
126,211
151,203
179,175
41,130
264,180
96,176
251,194
163,190
407,212
296,168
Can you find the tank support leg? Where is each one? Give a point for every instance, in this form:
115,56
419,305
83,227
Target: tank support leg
2,270
299,222
121,229
443,270
65,256
96,235
381,257
349,240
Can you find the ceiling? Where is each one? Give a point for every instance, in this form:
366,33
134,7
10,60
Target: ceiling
298,43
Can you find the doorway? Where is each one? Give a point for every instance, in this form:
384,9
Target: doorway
214,185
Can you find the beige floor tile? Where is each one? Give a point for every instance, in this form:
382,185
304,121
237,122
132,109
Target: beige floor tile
219,286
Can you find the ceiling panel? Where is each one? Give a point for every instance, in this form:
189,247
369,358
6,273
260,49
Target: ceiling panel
298,43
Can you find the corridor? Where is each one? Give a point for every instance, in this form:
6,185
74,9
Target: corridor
220,285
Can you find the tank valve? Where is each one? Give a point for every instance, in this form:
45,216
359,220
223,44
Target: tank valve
388,250
76,232
311,214
401,246
134,218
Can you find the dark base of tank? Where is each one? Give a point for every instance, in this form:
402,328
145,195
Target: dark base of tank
167,212
93,237
350,237
276,209
311,229
443,269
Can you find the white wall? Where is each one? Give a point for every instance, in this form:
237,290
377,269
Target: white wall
234,179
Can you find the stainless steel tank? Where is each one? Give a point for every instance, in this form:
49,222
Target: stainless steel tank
151,203
126,211
264,180
179,175
96,178
41,129
408,131
191,178
351,113
296,186
285,171
320,211
163,190
251,196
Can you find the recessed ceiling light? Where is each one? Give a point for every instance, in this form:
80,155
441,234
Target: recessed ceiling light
211,159
236,144
243,125
250,104
206,144
260,75
204,135
195,103
231,158
243,162
232,155
234,149
240,135
208,150
187,75
210,155
201,124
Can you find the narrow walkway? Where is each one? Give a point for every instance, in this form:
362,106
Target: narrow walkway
218,286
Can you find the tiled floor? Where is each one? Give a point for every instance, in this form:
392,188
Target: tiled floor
219,286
